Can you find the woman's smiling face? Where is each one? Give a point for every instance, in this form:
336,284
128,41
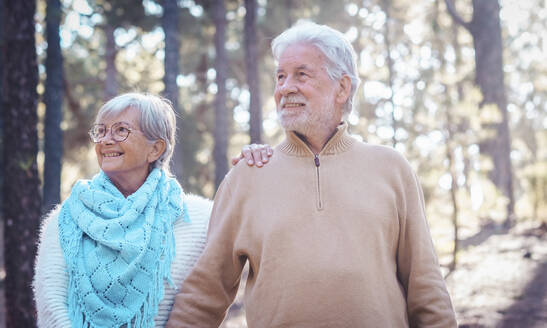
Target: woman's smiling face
129,157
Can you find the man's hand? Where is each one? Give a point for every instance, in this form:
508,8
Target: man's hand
254,154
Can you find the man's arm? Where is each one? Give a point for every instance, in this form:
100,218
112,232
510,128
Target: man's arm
210,288
428,301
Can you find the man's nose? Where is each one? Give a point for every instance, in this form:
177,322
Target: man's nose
288,87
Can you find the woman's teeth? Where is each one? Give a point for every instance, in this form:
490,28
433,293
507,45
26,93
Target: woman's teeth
112,154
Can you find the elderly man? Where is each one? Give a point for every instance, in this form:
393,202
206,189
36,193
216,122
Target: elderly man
333,229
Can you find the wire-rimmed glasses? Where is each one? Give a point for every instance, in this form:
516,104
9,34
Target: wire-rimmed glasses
119,131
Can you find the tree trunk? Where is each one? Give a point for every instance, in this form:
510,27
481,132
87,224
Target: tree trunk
21,184
450,127
453,187
221,112
53,99
111,82
1,107
170,24
386,4
289,6
251,51
486,31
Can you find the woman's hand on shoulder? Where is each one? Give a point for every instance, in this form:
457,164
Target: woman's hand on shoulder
254,154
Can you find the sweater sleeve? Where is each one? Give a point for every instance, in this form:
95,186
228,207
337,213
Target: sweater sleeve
428,301
211,287
50,278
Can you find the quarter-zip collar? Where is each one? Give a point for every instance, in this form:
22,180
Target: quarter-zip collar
339,142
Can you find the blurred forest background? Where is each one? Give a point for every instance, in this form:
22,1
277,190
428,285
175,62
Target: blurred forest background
458,87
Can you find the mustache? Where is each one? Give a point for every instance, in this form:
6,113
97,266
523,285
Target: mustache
292,99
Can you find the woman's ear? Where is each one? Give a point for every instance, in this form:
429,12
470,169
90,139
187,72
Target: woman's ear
157,150
344,89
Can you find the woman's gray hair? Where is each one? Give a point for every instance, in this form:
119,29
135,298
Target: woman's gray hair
341,57
157,121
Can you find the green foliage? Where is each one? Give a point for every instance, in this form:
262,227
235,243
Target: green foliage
432,86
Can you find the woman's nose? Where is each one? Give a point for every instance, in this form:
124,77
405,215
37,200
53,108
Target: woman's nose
108,138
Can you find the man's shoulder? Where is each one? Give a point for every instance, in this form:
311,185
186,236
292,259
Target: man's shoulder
242,169
379,152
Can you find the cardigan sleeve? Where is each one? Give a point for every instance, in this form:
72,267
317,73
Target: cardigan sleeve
211,287
190,238
51,278
428,301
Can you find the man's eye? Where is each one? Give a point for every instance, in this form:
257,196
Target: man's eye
99,131
302,74
280,76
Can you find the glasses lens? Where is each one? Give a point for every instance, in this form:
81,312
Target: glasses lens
120,131
97,131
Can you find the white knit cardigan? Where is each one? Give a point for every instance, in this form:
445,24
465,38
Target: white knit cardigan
51,278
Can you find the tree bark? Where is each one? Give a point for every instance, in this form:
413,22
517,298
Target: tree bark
2,48
486,31
111,82
170,24
253,80
21,184
221,112
53,99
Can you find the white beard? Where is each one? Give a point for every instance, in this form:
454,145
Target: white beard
306,121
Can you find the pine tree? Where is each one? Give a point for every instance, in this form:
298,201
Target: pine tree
21,184
53,99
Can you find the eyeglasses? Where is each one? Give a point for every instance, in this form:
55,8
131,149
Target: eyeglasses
119,131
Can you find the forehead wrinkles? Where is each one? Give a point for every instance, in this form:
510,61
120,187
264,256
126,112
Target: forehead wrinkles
303,48
121,115
296,63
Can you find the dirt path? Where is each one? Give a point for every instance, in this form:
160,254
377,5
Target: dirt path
503,281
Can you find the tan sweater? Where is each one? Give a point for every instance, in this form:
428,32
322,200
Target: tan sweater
337,240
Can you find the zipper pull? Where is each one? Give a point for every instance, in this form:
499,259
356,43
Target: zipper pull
316,160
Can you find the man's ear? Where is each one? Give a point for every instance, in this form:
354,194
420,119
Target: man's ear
344,89
157,150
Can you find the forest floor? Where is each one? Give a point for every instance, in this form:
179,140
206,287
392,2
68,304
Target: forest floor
500,280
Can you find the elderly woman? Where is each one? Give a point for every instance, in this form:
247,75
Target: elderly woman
114,252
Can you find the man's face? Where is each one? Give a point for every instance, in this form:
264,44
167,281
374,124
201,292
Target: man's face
304,93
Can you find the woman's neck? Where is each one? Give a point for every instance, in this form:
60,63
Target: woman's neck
127,184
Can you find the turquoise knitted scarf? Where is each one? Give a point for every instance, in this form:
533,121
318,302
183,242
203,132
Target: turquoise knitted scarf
119,250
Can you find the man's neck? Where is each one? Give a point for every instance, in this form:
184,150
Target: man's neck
316,141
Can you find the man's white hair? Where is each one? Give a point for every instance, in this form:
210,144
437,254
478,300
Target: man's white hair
157,120
341,57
